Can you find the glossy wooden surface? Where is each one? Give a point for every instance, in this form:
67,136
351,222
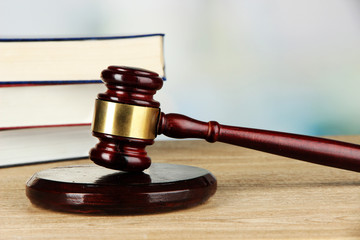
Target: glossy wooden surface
130,86
259,196
137,86
94,189
311,149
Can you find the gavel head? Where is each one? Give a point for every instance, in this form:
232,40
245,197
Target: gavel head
126,118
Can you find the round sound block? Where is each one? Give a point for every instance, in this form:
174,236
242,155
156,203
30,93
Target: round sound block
94,189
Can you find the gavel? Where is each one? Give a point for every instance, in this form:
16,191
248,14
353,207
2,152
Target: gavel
127,119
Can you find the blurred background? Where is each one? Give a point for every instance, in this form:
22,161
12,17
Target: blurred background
272,64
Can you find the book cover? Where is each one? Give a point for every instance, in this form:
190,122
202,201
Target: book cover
48,88
53,82
75,60
35,145
46,105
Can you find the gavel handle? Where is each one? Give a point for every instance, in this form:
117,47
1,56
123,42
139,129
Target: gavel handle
310,149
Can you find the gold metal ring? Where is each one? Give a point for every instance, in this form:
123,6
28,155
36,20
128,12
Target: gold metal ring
125,120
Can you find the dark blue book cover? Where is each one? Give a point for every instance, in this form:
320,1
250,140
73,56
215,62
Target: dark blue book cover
39,61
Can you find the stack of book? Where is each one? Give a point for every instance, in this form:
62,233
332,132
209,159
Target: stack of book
48,88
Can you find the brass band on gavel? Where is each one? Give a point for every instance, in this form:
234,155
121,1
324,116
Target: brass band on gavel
125,120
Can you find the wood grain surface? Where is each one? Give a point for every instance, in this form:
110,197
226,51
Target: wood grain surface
259,196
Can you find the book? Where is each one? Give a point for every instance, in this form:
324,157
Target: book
48,89
45,144
48,105
46,82
76,60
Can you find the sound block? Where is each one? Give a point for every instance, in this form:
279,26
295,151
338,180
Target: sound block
97,190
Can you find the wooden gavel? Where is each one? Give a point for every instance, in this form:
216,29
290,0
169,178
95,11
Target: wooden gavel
127,119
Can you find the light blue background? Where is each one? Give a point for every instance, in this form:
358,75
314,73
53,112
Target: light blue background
272,64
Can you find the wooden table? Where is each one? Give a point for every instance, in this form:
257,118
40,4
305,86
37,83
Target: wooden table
259,196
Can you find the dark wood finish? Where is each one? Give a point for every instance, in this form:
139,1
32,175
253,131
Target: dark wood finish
96,190
137,86
93,189
127,154
311,149
130,86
